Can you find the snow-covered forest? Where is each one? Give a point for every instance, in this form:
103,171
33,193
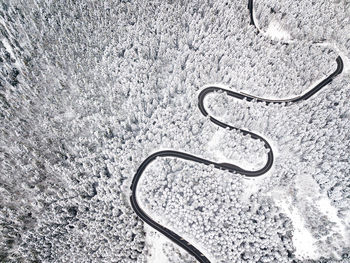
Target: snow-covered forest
89,89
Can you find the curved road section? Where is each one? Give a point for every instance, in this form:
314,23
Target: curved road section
222,166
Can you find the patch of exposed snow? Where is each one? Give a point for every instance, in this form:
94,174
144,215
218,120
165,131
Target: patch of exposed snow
309,192
9,49
155,243
273,31
276,32
303,240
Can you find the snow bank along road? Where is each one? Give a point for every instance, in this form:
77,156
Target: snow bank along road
223,166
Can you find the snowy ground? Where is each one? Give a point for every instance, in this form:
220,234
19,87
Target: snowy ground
89,89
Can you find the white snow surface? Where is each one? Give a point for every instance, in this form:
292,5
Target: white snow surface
89,89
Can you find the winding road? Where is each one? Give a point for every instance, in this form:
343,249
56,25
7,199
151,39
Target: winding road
222,166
